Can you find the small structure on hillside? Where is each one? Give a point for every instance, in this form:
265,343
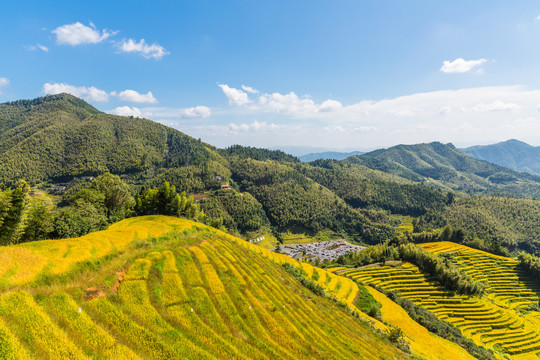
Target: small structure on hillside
87,178
226,187
58,187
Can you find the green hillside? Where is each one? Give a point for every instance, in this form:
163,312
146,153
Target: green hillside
60,136
444,166
362,187
511,222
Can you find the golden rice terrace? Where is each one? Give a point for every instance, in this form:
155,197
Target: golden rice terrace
165,288
498,320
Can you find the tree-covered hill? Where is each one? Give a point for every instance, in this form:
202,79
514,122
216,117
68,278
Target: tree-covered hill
512,154
293,201
60,136
511,222
362,187
445,166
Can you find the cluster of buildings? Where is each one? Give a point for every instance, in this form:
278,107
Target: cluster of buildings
324,250
259,239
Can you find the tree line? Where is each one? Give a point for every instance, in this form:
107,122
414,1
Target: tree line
88,207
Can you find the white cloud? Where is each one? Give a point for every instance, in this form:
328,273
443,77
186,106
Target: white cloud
249,89
330,105
77,34
127,111
154,51
38,47
197,112
461,65
279,103
255,126
537,18
3,83
496,105
94,94
236,97
364,129
134,96
88,93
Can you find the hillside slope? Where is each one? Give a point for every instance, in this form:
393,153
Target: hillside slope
512,154
444,166
61,136
194,293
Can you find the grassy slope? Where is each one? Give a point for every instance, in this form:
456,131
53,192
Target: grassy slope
196,292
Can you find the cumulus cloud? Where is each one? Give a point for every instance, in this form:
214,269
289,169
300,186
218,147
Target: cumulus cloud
3,83
236,97
289,103
94,94
77,34
255,126
88,93
330,105
127,111
496,105
461,65
134,96
197,112
154,51
249,89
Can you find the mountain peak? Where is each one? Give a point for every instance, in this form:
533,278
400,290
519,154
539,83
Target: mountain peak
56,98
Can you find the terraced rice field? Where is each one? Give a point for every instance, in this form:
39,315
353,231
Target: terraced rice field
507,284
491,321
198,294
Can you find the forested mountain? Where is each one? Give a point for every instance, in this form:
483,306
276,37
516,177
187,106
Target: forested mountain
512,154
444,166
56,139
61,136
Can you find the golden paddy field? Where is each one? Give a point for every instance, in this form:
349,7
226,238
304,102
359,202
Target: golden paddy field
165,288
500,320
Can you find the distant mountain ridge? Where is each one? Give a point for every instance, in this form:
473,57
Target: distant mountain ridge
513,154
446,167
328,155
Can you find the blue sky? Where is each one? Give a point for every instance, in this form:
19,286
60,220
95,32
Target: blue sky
340,74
